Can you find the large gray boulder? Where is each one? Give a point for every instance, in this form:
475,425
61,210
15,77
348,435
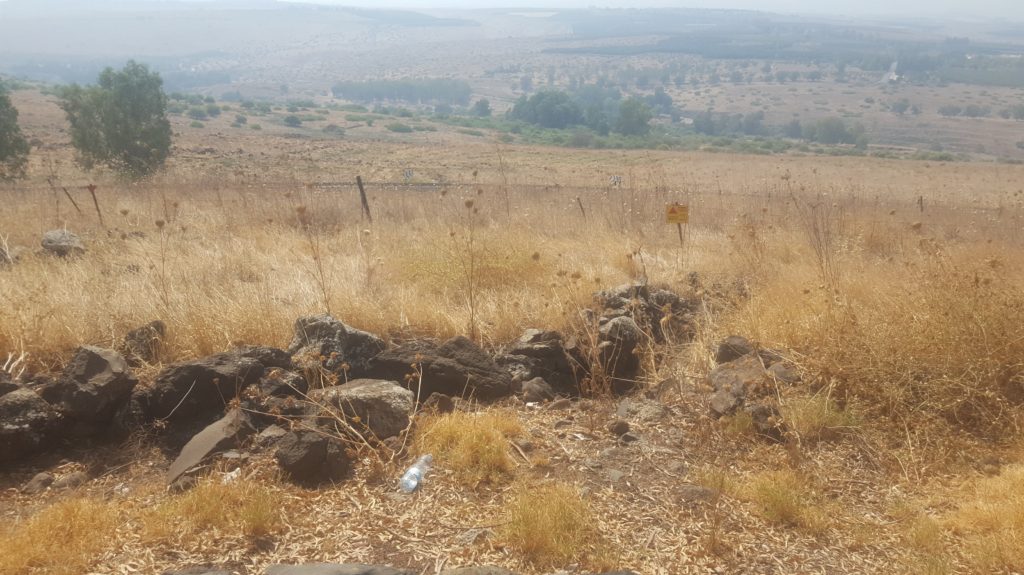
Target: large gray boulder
27,424
96,383
227,433
379,407
322,342
62,243
458,368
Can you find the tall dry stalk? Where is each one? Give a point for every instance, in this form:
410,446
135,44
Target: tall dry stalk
319,271
822,222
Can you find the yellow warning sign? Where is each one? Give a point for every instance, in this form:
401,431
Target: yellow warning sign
677,214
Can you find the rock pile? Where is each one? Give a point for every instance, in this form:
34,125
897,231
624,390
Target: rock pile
745,380
333,388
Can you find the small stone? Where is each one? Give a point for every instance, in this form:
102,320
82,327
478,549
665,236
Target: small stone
525,445
641,409
183,484
470,537
732,348
71,480
696,493
785,372
614,475
537,390
562,423
270,435
38,484
563,403
438,403
629,438
618,428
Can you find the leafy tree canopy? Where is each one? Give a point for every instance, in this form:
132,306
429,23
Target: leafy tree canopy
13,146
120,122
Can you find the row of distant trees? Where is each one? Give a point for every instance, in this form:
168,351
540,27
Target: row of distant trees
558,110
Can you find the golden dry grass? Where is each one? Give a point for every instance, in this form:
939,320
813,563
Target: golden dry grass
475,446
62,539
787,499
243,507
991,521
816,418
552,525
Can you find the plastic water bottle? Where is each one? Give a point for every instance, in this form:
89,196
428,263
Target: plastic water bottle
414,475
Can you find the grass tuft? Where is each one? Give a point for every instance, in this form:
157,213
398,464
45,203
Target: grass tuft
242,507
551,525
992,523
816,418
475,446
784,498
63,539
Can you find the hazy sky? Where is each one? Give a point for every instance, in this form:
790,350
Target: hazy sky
973,9
983,9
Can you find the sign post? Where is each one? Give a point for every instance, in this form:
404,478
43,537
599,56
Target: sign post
678,214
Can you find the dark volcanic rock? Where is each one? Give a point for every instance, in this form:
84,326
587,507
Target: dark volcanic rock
196,390
457,367
227,433
322,342
7,383
71,480
280,383
619,351
537,390
547,355
94,386
733,348
735,382
38,483
438,403
27,424
309,457
143,344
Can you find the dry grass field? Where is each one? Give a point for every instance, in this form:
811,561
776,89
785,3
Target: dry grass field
897,287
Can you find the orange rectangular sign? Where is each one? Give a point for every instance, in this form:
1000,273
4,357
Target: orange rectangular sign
677,214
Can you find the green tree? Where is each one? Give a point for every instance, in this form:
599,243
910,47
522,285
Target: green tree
121,122
900,107
634,118
482,108
292,121
548,109
13,147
